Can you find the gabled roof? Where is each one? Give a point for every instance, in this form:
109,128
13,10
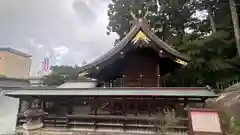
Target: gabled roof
140,25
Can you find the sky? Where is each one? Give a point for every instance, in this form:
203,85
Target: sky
68,31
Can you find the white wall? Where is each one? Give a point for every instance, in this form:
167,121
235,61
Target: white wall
8,114
9,105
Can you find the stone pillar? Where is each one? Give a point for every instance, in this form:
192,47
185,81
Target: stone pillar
24,105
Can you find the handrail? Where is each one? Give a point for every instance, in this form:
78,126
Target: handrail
118,117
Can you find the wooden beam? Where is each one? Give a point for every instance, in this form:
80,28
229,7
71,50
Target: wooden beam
115,117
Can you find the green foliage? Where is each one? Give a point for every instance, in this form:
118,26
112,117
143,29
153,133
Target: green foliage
176,23
53,80
235,127
169,119
168,20
208,66
60,74
1,75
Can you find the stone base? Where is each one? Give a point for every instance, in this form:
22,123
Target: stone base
34,132
27,126
63,131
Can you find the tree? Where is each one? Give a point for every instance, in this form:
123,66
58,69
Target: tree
168,19
53,80
235,21
175,22
211,19
61,74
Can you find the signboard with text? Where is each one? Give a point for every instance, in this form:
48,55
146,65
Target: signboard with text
204,122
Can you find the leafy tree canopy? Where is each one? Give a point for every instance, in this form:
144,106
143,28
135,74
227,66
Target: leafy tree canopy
187,26
61,74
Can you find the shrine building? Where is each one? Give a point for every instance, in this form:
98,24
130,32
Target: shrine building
129,93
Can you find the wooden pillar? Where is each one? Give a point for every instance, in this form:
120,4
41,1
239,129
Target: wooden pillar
111,107
158,76
154,103
110,83
122,82
44,105
124,113
185,102
20,106
95,105
204,102
185,105
155,121
124,106
95,112
149,107
23,105
158,80
123,78
141,80
136,108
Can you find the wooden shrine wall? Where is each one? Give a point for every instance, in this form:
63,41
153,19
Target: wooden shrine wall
141,63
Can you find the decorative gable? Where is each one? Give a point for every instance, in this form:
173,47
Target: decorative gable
140,36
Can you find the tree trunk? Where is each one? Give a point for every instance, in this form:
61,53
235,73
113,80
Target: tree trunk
211,19
235,23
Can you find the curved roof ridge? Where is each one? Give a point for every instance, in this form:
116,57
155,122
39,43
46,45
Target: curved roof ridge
163,44
140,24
115,49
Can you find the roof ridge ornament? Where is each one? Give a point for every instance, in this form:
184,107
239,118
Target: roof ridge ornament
146,14
139,12
133,15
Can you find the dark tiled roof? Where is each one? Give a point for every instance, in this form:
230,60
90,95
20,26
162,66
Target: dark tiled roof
11,50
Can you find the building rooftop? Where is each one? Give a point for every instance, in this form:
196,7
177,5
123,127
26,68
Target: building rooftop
81,84
159,92
11,50
13,79
139,28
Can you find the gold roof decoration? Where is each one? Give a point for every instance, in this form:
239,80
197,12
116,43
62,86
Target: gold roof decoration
181,62
141,36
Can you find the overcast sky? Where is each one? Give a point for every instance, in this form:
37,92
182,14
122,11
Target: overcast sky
69,30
